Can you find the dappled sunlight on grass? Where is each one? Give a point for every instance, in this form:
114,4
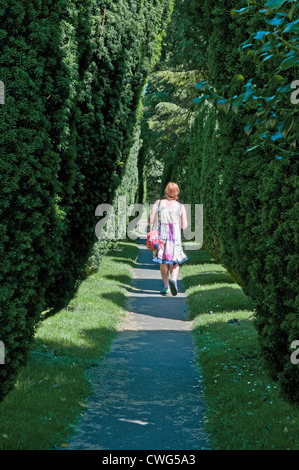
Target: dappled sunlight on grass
210,288
207,276
50,391
244,408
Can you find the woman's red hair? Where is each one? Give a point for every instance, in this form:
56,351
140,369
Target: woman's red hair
171,191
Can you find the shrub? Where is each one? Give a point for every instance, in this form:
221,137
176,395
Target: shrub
250,198
74,73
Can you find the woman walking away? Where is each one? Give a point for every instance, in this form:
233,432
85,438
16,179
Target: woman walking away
168,216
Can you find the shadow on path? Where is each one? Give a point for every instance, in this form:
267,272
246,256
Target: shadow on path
146,392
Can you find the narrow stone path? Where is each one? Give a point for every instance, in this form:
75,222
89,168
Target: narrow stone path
146,391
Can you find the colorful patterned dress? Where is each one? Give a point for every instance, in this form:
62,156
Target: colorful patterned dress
168,222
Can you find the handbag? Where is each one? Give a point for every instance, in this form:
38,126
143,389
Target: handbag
152,241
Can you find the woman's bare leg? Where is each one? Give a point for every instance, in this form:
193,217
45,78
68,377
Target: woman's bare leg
164,273
174,272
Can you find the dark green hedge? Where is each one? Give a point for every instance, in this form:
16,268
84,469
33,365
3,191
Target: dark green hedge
250,198
74,72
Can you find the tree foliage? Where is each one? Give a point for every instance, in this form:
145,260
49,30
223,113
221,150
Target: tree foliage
272,107
74,72
250,199
167,111
166,127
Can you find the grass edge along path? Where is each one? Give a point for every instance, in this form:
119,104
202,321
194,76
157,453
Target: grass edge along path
244,407
50,391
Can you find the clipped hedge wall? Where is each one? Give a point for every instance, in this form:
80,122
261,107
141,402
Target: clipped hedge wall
74,72
250,198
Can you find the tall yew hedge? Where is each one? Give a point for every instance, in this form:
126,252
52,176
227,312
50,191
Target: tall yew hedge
250,199
74,72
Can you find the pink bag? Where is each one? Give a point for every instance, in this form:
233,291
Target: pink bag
153,242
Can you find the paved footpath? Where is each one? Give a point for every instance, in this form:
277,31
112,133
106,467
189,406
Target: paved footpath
146,391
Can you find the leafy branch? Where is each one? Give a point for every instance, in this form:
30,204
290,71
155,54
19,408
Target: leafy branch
276,104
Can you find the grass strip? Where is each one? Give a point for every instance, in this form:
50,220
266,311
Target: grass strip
244,406
50,391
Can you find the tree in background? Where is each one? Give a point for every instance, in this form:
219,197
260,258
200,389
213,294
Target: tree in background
168,107
166,127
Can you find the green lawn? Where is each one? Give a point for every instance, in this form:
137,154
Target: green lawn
50,391
244,409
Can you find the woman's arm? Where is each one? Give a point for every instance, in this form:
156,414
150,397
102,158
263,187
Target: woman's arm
153,214
184,220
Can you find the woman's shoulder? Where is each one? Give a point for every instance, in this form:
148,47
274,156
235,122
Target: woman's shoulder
173,202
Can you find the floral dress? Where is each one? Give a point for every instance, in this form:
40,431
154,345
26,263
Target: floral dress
168,222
